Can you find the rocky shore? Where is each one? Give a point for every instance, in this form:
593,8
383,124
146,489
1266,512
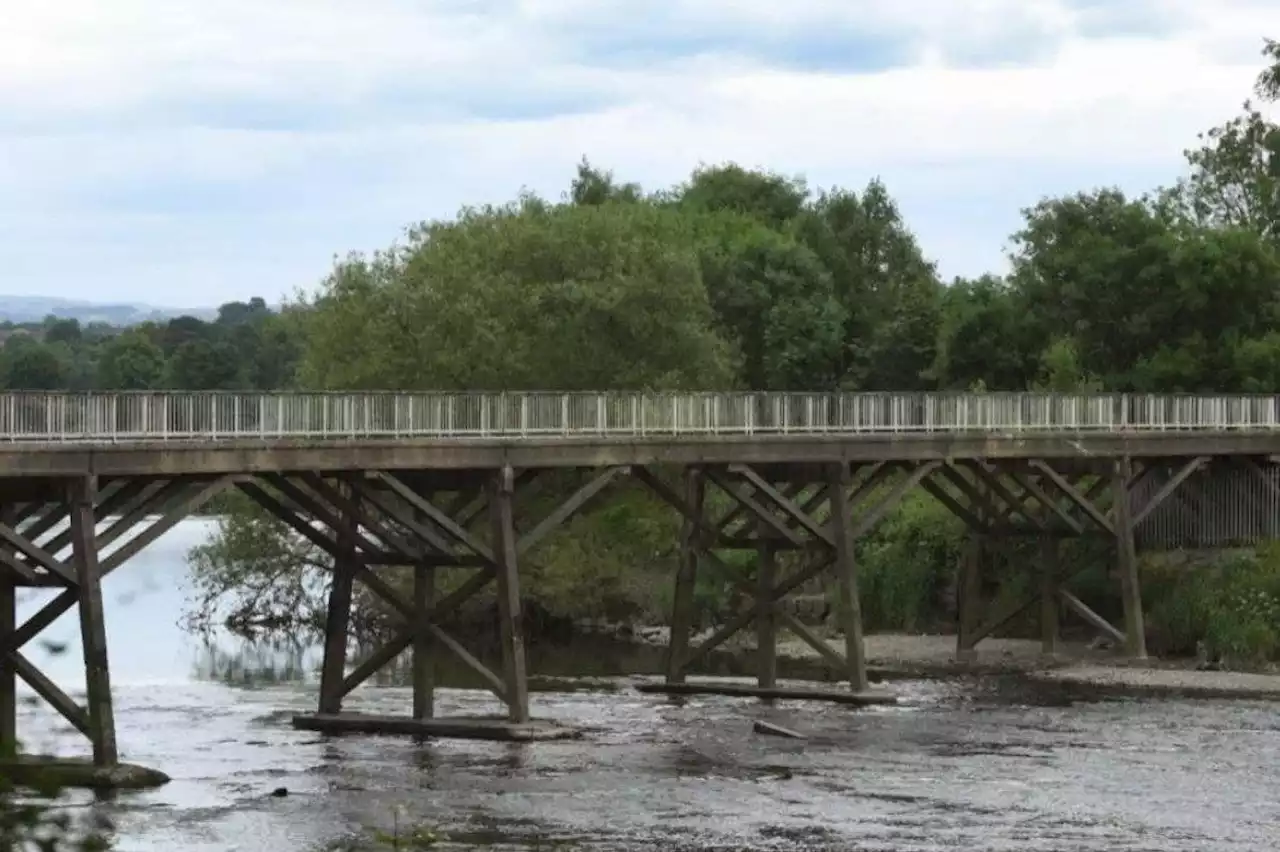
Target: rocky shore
896,656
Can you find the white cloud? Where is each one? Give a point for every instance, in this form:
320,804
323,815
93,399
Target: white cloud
134,130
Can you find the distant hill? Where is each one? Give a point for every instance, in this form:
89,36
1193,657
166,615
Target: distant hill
30,309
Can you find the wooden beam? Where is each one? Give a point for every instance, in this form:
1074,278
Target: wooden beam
174,513
510,621
1092,618
1049,629
1048,502
8,682
411,520
794,513
1127,563
337,620
766,618
939,493
695,492
56,698
759,512
850,608
1168,488
991,476
424,661
568,508
1085,503
439,518
81,496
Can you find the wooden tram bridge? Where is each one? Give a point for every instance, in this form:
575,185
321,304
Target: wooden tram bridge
430,480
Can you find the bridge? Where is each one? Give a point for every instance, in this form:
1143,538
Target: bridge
428,482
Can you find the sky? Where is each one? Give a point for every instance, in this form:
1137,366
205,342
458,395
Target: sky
186,153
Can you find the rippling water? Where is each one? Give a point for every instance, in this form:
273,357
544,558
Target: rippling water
987,765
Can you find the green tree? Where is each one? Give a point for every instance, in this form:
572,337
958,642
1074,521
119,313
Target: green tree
130,361
522,297
30,364
201,364
890,293
1235,172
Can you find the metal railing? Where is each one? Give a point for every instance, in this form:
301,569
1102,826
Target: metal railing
114,417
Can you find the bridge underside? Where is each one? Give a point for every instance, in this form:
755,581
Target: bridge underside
425,542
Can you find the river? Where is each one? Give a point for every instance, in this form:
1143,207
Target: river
965,764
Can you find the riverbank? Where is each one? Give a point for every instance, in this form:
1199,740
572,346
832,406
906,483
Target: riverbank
903,656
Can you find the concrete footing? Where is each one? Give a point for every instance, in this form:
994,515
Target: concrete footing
458,727
43,772
864,698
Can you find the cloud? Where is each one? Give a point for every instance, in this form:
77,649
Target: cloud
185,151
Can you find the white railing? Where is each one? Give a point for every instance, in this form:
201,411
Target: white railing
112,417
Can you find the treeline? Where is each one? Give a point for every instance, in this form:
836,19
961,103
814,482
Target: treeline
246,347
748,279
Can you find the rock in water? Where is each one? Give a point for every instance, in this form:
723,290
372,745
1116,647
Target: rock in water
772,730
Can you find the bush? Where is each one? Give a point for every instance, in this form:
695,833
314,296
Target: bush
1231,604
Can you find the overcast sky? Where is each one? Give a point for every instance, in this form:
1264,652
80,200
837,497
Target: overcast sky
188,152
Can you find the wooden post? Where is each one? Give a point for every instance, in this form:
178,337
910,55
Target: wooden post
337,620
969,589
1127,562
8,682
838,481
767,620
1048,597
424,662
93,630
695,491
510,621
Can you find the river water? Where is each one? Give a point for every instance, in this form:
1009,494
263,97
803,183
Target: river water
964,764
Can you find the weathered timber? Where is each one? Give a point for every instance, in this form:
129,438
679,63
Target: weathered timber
93,631
338,613
1127,563
767,620
686,575
456,727
864,697
424,661
8,677
28,461
1048,598
850,608
510,622
42,772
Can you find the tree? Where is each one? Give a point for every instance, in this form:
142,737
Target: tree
1235,173
1149,302
773,300
199,365
890,293
30,364
525,296
130,361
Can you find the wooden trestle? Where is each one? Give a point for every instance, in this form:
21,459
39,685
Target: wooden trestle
458,531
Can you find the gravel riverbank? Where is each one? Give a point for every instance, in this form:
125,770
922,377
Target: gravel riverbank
896,656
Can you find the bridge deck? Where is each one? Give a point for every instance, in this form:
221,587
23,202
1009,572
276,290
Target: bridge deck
243,455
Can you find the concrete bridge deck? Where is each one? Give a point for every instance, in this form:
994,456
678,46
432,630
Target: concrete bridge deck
427,484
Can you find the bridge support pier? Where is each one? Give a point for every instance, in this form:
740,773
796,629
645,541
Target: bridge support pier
396,523
74,561
807,517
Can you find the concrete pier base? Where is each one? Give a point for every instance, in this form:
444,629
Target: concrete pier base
457,727
866,697
43,772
